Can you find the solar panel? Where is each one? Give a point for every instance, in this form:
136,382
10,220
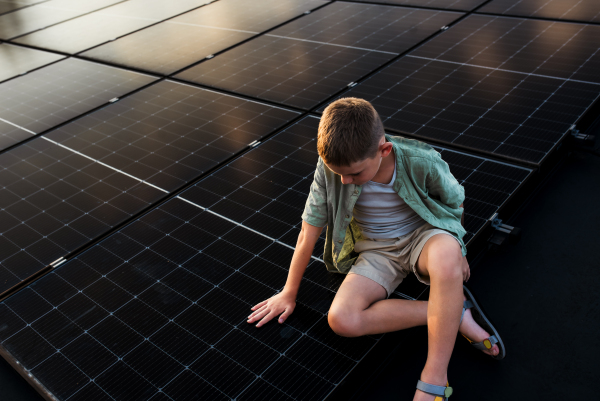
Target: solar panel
169,133
173,45
45,14
19,60
7,6
102,26
167,296
582,10
152,142
556,49
55,94
53,201
308,60
466,5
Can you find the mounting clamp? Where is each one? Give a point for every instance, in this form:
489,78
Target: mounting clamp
502,233
582,139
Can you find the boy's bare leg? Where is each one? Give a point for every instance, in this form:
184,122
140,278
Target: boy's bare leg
360,308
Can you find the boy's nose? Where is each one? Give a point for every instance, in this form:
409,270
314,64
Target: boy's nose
346,180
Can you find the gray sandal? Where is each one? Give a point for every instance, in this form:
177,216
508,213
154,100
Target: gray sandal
442,393
484,322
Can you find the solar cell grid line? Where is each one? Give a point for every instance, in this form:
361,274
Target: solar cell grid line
367,26
169,296
172,45
53,201
169,133
515,115
557,49
462,5
42,15
102,26
57,93
581,10
18,60
7,6
310,59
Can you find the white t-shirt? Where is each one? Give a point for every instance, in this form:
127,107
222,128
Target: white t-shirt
381,213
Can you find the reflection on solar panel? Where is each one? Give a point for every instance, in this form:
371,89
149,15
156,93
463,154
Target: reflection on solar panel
170,133
303,63
517,115
51,209
19,60
581,10
7,6
173,45
466,5
52,95
102,26
45,14
556,49
167,296
53,201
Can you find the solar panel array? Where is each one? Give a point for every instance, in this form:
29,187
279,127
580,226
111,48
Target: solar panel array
50,96
157,212
582,10
509,87
309,60
20,60
102,26
42,15
173,45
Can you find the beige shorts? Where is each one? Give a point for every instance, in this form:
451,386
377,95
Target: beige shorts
388,261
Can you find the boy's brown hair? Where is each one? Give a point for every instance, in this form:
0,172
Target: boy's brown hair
349,131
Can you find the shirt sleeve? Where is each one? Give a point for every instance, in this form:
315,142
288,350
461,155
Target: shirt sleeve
442,185
315,209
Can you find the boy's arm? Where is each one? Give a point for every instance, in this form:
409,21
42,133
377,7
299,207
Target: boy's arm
284,302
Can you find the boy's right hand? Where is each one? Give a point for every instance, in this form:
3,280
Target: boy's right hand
282,303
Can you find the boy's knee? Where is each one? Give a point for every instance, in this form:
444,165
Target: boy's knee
446,262
344,323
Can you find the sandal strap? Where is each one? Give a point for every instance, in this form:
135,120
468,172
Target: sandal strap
485,344
432,389
466,305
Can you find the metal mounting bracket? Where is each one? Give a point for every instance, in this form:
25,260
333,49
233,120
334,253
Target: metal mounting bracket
502,232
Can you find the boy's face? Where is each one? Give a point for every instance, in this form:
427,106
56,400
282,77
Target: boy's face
360,172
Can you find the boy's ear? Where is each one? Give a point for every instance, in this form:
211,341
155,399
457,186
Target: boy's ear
385,149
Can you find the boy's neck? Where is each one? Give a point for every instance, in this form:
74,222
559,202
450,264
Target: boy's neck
386,169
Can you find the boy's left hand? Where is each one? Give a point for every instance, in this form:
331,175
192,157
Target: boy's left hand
465,269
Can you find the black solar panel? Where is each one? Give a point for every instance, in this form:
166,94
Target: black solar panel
581,10
517,115
556,49
45,14
308,60
167,296
52,95
7,6
174,133
170,133
93,29
465,5
18,60
173,45
53,201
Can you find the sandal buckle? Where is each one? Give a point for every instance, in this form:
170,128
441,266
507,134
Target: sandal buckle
487,343
448,392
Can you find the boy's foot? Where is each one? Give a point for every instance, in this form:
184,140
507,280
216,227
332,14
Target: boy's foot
474,332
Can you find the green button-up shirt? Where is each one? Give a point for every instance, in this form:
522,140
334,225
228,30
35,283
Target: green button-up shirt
423,181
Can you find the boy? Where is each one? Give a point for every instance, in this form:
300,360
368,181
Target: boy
391,207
